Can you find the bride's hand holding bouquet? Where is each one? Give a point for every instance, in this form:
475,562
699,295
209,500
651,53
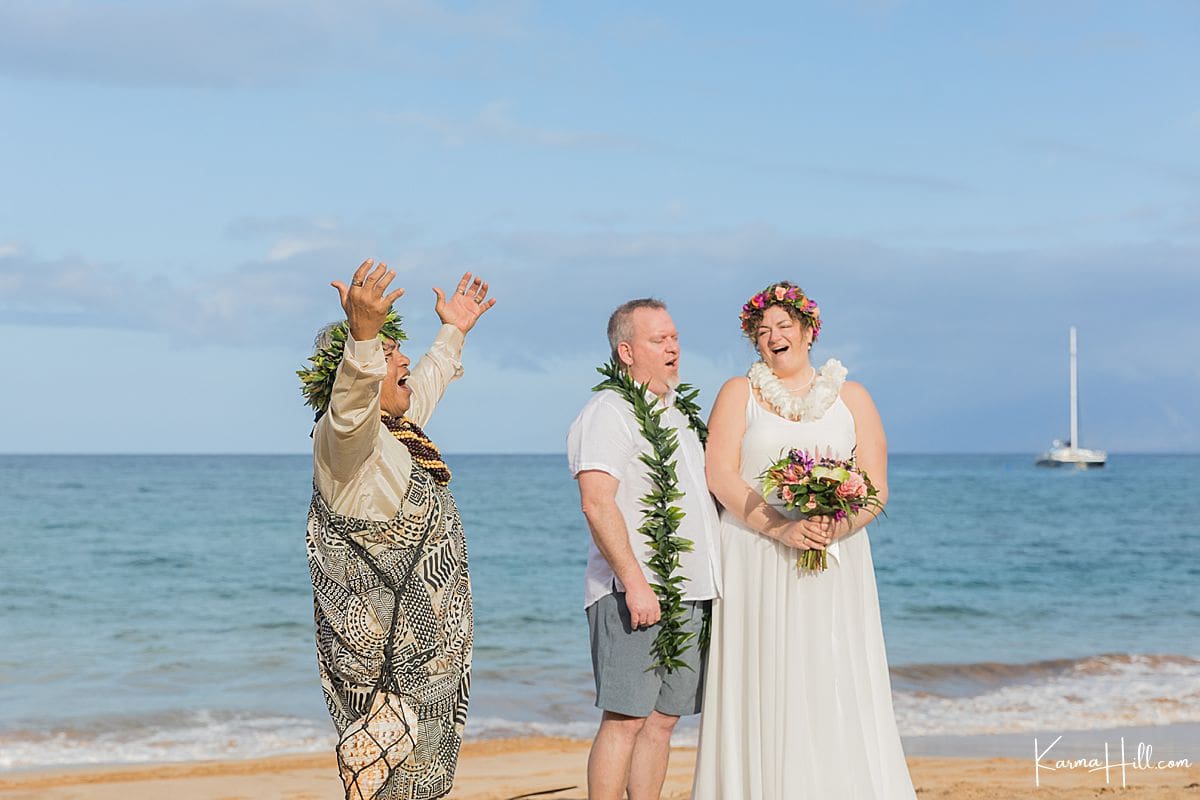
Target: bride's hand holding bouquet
827,491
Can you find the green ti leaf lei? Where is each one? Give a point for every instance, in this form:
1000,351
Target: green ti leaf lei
660,518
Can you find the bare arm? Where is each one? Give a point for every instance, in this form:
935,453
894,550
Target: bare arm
722,468
870,452
598,496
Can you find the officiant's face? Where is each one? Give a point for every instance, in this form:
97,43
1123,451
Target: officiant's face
395,396
783,341
653,350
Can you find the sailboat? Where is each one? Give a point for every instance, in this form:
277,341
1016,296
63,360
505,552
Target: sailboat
1069,452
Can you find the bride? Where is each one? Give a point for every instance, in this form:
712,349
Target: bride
797,700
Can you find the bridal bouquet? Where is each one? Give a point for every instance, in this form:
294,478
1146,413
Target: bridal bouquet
819,487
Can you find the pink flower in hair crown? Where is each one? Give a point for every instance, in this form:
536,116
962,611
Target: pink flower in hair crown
778,294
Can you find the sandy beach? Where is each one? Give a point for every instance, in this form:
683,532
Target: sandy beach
511,768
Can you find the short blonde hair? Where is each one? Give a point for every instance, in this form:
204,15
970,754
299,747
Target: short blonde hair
620,324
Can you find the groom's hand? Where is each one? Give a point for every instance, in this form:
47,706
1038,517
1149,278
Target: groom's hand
642,602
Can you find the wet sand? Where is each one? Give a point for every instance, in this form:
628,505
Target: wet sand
510,768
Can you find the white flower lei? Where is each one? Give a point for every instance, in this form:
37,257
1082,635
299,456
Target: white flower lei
811,406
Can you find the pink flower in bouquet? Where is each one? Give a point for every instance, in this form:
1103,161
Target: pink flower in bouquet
780,292
759,301
854,486
820,484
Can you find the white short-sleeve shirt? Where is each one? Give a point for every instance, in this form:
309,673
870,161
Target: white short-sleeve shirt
606,437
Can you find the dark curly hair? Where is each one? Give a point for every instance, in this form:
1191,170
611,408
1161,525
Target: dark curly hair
787,296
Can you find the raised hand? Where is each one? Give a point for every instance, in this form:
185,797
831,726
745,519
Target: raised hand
364,301
466,305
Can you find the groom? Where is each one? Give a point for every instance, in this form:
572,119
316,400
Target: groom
641,702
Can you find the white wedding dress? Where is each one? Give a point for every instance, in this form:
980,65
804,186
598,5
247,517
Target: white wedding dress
797,700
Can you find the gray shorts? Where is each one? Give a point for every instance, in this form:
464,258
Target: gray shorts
622,657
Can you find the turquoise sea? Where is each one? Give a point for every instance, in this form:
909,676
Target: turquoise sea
158,608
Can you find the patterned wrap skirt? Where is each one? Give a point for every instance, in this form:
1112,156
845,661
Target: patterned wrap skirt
394,621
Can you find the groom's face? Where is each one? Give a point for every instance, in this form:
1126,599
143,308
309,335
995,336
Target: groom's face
653,353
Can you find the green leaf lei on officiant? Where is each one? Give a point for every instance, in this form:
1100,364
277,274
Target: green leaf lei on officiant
660,518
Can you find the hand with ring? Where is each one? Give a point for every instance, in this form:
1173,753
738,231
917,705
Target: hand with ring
366,300
807,534
466,305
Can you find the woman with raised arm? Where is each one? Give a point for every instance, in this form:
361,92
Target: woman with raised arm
386,550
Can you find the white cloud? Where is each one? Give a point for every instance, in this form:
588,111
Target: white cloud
1057,148
227,42
943,339
290,236
258,227
495,122
555,291
291,247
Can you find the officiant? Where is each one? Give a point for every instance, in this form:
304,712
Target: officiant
386,548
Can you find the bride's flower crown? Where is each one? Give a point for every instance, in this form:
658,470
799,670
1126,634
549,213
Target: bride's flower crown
780,294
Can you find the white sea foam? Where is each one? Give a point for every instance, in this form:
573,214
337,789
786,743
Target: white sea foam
1107,691
194,736
497,728
1099,692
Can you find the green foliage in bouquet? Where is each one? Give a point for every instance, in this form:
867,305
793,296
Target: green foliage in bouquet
820,487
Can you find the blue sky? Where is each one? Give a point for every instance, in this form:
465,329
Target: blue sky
955,184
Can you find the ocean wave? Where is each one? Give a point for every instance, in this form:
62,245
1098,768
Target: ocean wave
189,736
943,610
498,728
1098,692
1104,691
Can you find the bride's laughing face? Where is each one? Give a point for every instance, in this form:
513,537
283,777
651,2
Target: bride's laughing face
783,341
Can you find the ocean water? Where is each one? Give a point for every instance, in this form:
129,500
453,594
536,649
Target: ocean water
158,608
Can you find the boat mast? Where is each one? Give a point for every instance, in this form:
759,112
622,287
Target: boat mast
1074,396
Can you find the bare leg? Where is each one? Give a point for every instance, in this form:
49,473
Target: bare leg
651,752
612,752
